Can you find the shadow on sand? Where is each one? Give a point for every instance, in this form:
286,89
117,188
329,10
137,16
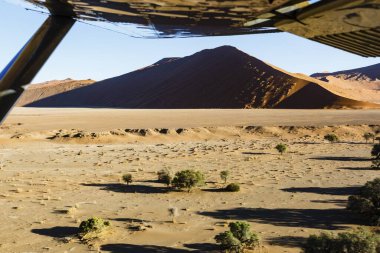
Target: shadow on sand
338,202
56,232
342,158
309,218
124,248
287,241
115,187
327,190
357,168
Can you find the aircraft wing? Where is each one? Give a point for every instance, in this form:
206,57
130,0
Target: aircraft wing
353,26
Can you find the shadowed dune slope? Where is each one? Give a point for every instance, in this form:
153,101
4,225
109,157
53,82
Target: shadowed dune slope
314,96
223,77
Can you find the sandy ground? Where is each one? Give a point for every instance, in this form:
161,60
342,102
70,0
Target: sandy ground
59,167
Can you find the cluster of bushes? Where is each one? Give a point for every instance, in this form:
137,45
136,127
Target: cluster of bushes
356,241
238,239
367,202
186,179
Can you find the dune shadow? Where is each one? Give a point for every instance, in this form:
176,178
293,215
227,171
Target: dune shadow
324,190
115,187
124,248
309,218
287,241
342,158
56,232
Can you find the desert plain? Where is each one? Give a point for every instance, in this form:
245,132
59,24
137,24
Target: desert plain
62,166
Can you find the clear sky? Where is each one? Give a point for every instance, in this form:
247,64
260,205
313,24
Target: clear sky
91,52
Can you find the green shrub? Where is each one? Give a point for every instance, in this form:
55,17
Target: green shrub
281,148
367,203
369,136
92,227
356,241
188,179
127,178
238,238
224,175
164,176
331,138
233,187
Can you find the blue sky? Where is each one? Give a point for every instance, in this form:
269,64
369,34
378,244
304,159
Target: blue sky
92,52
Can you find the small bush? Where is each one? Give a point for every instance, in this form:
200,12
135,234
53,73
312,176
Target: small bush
367,203
127,178
164,176
331,138
188,179
92,227
238,238
224,175
233,187
356,241
369,136
281,148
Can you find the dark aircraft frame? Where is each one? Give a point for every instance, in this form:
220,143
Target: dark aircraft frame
353,26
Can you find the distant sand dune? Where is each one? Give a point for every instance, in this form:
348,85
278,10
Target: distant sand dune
223,77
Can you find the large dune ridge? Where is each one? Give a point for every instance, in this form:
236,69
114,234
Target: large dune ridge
224,77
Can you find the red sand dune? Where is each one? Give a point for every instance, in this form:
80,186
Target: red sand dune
35,92
223,77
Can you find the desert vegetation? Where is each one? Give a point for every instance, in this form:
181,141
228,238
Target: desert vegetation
188,179
238,239
331,138
233,187
367,202
369,136
127,178
164,176
281,148
357,241
92,228
375,152
224,174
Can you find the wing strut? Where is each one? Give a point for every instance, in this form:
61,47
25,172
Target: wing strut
26,64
